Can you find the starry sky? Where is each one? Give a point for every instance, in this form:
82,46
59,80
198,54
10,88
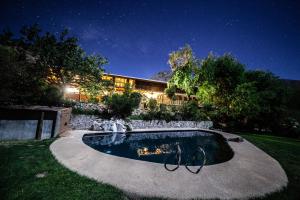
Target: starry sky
137,36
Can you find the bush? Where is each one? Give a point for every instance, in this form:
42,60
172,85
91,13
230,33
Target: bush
52,96
121,105
152,104
80,111
188,111
290,127
68,103
191,111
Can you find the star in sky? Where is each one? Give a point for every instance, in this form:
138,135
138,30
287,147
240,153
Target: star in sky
137,36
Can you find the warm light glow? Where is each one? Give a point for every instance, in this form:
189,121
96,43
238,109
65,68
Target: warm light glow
145,152
152,95
69,89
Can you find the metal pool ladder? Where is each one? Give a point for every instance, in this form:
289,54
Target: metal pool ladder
178,158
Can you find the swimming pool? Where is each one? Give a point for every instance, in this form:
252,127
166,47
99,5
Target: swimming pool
196,147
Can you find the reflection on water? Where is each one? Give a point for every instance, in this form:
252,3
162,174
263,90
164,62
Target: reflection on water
155,147
162,149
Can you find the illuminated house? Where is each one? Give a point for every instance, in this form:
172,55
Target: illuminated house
147,87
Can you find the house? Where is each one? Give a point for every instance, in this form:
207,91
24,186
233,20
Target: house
147,87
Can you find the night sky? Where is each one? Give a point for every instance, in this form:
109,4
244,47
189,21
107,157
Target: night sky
137,36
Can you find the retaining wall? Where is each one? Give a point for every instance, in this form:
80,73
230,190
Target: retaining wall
84,122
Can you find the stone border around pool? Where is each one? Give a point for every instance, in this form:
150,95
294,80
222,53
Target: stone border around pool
250,173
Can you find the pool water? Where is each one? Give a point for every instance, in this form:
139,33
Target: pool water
161,147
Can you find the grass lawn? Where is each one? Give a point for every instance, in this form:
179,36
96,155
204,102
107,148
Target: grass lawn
287,152
20,162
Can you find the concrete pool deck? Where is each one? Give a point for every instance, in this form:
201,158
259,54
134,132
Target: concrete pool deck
250,173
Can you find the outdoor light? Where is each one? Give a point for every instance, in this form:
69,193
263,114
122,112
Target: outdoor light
152,95
69,89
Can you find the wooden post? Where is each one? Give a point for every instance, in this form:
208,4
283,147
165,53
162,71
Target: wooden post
39,128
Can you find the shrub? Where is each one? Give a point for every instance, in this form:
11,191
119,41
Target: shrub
290,127
121,105
80,111
188,111
68,103
191,111
51,96
152,104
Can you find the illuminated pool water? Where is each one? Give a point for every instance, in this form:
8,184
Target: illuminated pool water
162,146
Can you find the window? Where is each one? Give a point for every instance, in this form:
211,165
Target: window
107,78
120,82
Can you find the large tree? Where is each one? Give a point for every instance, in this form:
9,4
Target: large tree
185,69
54,60
237,95
219,77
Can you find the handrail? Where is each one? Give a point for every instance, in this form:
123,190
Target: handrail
178,156
194,156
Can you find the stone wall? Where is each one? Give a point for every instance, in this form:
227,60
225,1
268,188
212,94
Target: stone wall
84,122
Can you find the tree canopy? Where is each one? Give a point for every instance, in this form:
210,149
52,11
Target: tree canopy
44,60
244,96
185,71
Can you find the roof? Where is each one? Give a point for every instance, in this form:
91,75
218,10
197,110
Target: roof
131,77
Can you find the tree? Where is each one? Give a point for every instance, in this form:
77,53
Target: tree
219,78
20,80
162,76
52,60
272,98
240,97
185,69
245,102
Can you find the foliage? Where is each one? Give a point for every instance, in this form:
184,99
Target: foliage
185,70
80,111
152,104
187,111
220,75
51,95
158,113
44,60
68,103
122,105
206,93
170,91
271,99
191,111
245,102
162,75
238,98
290,127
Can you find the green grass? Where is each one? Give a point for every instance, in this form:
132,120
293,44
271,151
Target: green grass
287,152
21,161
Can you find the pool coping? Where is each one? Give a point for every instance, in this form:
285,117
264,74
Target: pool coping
250,173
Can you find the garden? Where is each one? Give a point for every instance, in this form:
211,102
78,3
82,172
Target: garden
37,66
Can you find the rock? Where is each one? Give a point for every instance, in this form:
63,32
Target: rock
96,126
111,125
85,122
